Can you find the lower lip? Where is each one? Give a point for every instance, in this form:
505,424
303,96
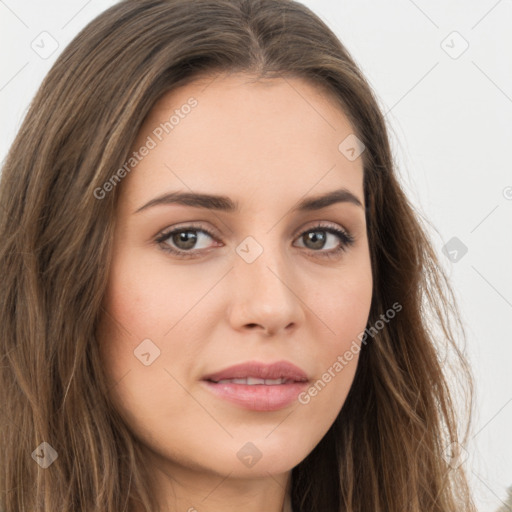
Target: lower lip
259,397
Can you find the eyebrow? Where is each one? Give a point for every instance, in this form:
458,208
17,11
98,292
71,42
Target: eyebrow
224,203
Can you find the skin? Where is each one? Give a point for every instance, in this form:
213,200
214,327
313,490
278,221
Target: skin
267,145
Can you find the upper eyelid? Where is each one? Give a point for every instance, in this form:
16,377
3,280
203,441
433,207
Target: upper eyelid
319,224
191,226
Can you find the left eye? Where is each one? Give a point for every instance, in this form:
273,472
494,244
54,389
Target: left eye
182,241
317,238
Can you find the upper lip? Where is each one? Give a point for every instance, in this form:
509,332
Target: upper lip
277,370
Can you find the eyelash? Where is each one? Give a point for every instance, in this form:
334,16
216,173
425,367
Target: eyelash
346,240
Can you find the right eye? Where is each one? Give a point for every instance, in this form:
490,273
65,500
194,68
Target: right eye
180,241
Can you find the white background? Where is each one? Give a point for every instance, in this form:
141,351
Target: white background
450,120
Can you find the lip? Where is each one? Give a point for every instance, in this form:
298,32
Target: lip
259,397
278,370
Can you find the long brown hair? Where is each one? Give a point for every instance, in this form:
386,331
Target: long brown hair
387,448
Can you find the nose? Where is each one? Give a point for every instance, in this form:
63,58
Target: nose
265,295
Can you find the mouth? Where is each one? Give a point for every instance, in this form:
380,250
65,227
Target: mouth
257,386
254,381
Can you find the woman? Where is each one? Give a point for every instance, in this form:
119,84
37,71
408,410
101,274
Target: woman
215,292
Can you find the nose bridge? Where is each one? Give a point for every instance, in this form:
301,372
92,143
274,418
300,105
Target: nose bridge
264,285
259,260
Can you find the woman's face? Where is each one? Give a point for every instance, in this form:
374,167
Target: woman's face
264,275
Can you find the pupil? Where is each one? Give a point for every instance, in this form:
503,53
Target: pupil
317,240
183,236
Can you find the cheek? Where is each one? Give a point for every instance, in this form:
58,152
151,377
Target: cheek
343,308
147,299
130,314
139,307
344,303
149,308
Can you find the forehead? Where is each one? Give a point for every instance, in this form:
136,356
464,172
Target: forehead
233,135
